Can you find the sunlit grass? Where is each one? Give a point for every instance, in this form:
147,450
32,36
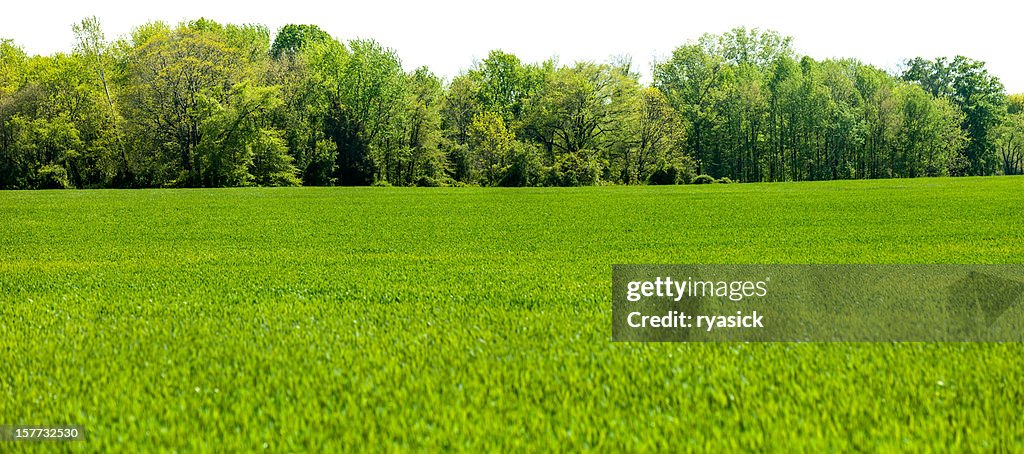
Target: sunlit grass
332,318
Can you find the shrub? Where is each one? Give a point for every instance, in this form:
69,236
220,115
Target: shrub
574,169
53,176
703,179
524,166
958,165
679,170
725,180
665,175
687,169
428,182
320,165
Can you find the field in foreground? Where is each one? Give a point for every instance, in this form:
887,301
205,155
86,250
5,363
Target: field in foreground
326,318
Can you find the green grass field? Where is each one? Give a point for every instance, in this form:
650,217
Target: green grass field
473,319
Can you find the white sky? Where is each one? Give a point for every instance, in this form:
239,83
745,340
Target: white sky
448,35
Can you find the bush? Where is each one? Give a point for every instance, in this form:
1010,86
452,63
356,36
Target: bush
666,175
429,182
687,169
459,168
53,176
678,170
958,165
524,166
320,165
703,179
725,180
574,169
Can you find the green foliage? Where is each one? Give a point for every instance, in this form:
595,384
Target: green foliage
323,319
490,143
704,179
292,39
679,171
666,175
161,107
578,106
1015,103
238,148
420,158
524,166
111,166
753,113
581,168
303,113
931,139
42,150
1009,141
191,97
651,140
365,92
12,61
53,176
458,157
693,81
461,104
978,94
252,42
504,84
175,76
271,164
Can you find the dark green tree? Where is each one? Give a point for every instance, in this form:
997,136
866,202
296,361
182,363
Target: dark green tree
978,94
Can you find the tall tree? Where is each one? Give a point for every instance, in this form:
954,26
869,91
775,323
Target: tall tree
968,84
91,44
423,161
693,80
12,103
171,75
291,39
1010,137
365,89
504,84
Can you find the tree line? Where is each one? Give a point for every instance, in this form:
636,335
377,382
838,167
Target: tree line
204,104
